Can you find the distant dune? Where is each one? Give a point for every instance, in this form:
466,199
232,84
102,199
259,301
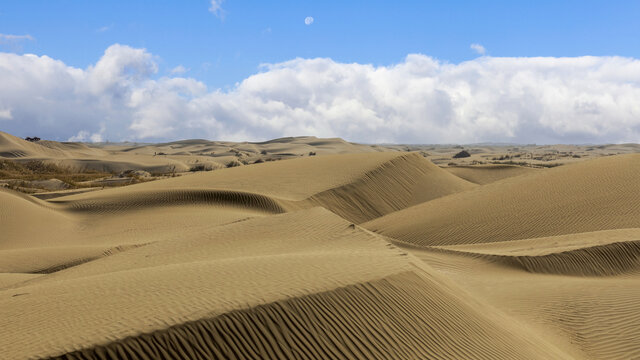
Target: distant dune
485,174
177,156
307,248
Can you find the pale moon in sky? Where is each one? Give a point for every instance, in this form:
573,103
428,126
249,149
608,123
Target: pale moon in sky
308,20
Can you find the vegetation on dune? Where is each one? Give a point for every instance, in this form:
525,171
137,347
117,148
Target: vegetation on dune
462,154
23,176
201,167
233,163
40,170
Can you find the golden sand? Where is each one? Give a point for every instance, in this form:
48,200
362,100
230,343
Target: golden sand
363,252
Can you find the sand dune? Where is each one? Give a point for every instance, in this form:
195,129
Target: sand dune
358,252
358,187
53,259
592,195
9,279
14,147
485,174
178,156
591,317
600,253
25,222
223,279
362,321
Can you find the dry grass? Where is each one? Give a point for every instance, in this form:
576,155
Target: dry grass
40,170
20,175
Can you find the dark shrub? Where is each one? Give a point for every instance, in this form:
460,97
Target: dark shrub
461,154
198,167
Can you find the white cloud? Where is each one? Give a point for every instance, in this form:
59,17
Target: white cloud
5,114
216,8
10,37
86,136
478,49
179,70
308,20
104,28
14,42
419,100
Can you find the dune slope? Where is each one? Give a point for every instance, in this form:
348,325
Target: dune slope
593,195
584,310
358,187
599,253
230,291
393,318
27,222
486,174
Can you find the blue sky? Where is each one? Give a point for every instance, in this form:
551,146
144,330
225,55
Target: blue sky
223,50
367,71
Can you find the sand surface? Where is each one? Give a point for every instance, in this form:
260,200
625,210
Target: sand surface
358,251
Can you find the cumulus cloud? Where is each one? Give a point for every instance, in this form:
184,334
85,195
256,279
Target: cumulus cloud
179,70
479,49
216,8
419,100
308,20
85,136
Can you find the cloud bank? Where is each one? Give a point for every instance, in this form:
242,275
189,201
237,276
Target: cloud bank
419,100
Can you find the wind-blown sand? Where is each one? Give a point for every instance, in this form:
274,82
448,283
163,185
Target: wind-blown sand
357,252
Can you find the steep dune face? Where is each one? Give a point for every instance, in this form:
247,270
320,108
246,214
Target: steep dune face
359,294
599,253
358,187
190,197
592,195
399,183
